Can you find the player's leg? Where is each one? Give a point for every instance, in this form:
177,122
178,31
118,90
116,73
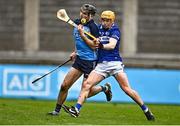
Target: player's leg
122,79
69,79
93,79
97,89
86,67
89,89
124,84
94,90
74,110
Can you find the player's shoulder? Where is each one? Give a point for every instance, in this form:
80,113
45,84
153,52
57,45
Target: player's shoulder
115,27
92,23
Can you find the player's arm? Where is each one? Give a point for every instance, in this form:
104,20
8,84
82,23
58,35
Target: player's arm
111,45
73,55
88,41
112,41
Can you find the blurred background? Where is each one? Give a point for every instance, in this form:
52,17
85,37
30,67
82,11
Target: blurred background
31,35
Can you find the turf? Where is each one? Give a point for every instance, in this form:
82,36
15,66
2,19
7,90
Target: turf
30,112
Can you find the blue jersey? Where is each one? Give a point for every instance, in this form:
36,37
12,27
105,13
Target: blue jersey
105,35
83,50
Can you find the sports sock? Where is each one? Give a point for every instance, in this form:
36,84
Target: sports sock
144,108
103,88
78,106
58,108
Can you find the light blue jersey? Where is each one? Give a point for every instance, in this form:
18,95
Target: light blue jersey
83,50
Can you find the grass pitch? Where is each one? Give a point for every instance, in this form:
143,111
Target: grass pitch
30,112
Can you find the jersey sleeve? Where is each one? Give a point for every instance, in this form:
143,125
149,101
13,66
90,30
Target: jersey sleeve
116,34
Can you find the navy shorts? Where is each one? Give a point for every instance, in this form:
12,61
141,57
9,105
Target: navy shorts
85,66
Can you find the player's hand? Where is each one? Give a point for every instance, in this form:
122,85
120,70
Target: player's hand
98,44
73,56
80,29
101,46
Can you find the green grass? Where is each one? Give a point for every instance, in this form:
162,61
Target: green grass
30,112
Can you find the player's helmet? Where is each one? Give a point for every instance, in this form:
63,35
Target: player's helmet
108,15
90,9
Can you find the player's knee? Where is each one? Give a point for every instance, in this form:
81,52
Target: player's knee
64,86
87,85
83,85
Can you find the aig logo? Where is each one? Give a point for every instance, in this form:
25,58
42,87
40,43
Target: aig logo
17,82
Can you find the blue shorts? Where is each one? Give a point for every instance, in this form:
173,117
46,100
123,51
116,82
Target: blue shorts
85,66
